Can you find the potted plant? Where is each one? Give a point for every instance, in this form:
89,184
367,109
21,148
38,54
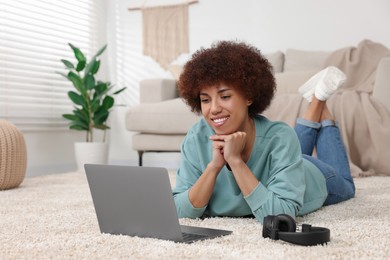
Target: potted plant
92,101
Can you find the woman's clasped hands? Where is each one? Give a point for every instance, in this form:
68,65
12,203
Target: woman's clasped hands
227,149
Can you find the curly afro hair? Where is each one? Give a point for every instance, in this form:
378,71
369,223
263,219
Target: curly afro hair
235,64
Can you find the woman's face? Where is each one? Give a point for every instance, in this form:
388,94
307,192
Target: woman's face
224,108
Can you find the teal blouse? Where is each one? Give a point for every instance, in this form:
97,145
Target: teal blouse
288,183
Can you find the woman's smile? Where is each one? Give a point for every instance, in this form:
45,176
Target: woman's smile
219,121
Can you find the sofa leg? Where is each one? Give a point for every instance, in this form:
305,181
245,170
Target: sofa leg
140,153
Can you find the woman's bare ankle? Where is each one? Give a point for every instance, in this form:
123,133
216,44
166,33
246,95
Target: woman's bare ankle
315,110
326,114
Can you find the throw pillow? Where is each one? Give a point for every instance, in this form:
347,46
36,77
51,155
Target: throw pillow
304,60
276,59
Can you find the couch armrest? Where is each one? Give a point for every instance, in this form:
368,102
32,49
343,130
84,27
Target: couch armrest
382,83
156,90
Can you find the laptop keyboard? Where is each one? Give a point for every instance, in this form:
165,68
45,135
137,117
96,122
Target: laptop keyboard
192,236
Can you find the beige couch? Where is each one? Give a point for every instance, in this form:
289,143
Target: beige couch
161,120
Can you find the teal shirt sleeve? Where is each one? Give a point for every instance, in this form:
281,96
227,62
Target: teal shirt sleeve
283,193
186,176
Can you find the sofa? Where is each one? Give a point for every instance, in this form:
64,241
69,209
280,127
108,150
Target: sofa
162,119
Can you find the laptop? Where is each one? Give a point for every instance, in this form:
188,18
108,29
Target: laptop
138,201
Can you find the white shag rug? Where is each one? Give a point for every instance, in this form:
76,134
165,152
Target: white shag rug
52,216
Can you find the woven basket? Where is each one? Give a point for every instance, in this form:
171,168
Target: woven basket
13,156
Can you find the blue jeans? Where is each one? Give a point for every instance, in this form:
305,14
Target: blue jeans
331,157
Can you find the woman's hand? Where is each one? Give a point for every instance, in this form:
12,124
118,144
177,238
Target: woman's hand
229,147
218,161
231,150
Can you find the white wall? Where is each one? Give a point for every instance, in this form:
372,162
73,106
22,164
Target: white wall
269,25
281,24
50,152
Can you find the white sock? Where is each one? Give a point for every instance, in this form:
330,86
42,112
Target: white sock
332,78
308,88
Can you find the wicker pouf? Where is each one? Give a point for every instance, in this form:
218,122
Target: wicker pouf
13,156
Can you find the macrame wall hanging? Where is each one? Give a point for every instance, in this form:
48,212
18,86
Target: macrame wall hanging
165,31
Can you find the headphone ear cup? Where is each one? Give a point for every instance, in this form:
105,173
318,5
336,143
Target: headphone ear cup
286,223
270,222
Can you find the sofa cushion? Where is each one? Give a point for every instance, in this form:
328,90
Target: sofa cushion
296,60
289,82
157,142
167,117
277,60
156,90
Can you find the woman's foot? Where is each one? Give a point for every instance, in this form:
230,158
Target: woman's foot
323,84
308,88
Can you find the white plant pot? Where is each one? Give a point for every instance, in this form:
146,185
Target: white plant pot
92,152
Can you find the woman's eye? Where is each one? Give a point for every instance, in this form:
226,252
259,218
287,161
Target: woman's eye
225,97
204,100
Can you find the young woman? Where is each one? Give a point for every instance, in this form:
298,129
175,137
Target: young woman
236,162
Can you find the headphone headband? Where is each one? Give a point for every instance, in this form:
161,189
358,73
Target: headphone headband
283,227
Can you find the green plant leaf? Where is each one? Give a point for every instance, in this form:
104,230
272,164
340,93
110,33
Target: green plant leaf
100,90
89,82
95,104
76,98
101,87
101,120
102,127
95,67
78,53
70,117
105,82
108,102
92,67
100,51
82,115
77,127
68,64
76,80
80,58
81,65
79,124
101,115
119,91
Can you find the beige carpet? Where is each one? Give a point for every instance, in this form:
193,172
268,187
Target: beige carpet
52,216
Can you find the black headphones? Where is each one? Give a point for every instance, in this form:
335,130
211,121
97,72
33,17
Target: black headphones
283,227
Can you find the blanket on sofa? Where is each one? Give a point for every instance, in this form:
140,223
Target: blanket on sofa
364,121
